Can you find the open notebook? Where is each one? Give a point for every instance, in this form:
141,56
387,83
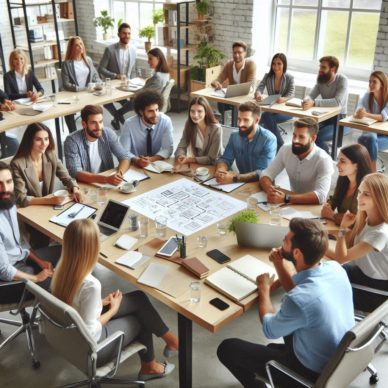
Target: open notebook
364,120
238,279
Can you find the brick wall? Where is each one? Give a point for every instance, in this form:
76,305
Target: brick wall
381,53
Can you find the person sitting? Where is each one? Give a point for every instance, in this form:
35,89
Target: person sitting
147,136
77,71
20,81
8,142
35,167
374,105
90,150
132,313
236,71
158,81
277,81
201,140
333,89
308,167
314,315
16,262
364,248
253,148
353,164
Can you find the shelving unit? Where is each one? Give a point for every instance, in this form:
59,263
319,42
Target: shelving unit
41,28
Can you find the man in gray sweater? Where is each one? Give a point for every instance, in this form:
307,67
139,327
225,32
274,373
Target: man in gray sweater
333,91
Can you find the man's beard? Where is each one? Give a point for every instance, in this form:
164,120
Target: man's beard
6,204
323,78
299,150
288,256
92,134
246,132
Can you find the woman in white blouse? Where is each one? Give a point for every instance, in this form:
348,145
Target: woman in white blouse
131,313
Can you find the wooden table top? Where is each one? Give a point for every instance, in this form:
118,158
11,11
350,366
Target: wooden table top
378,127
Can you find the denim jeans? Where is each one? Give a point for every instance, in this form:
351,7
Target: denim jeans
270,121
373,143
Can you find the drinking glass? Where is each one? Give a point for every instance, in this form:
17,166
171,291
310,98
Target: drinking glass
102,196
143,226
195,292
161,226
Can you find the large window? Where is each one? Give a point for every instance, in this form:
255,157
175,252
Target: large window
307,29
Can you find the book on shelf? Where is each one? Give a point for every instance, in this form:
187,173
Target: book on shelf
238,279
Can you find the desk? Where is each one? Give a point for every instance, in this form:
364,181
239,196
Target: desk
203,314
378,127
280,108
14,119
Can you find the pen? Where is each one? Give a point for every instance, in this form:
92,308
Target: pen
64,103
103,255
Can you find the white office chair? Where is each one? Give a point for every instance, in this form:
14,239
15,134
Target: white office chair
166,95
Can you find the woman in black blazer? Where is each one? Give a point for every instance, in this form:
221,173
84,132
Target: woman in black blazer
20,82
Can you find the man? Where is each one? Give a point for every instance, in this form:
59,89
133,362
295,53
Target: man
309,168
8,142
253,148
237,70
118,62
148,136
89,151
16,262
333,89
316,311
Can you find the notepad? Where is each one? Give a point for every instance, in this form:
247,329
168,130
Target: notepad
297,102
132,259
80,210
226,188
364,120
159,166
238,279
289,213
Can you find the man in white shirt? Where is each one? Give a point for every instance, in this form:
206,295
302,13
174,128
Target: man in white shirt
309,168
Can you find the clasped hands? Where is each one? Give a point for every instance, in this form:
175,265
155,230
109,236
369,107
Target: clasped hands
113,300
224,177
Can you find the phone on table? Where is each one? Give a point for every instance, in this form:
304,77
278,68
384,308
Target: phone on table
218,256
169,248
58,207
218,303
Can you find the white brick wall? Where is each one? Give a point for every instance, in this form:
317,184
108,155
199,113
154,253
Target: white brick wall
381,53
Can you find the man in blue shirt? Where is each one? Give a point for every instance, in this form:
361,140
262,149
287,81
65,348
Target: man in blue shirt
148,136
253,148
315,313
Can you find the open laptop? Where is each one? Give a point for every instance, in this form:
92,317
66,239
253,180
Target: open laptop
270,100
234,90
260,235
112,217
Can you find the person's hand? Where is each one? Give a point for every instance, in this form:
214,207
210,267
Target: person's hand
58,200
276,256
32,95
180,159
264,282
115,299
360,113
280,100
348,220
224,177
114,179
141,161
43,275
106,300
7,106
258,96
78,196
307,104
44,264
327,211
275,195
217,85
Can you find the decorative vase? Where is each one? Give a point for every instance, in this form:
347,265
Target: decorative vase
147,46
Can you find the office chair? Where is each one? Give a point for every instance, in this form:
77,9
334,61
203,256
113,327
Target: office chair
166,95
66,332
353,355
19,308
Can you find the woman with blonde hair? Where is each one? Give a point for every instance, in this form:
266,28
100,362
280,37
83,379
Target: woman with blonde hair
20,81
131,313
366,244
201,140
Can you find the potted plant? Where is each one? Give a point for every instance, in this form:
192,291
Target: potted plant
244,224
157,16
147,32
105,22
247,216
202,8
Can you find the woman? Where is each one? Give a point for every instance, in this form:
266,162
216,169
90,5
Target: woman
35,167
77,71
353,164
201,140
158,81
367,243
19,82
132,313
374,105
277,81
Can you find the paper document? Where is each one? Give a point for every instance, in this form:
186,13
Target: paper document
219,92
364,120
260,196
78,211
297,102
289,213
226,188
132,259
159,166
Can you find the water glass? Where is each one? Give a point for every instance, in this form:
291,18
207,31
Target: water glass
102,196
275,217
161,226
201,241
124,81
108,86
53,99
143,226
251,203
222,228
195,292
133,224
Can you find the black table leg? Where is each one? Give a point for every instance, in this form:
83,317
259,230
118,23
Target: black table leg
234,116
337,137
185,333
59,138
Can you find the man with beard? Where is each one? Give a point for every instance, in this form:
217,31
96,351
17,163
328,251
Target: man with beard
148,136
16,262
88,151
118,62
252,147
315,313
309,168
333,89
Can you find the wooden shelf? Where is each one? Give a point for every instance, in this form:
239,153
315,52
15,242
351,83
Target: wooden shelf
188,47
38,45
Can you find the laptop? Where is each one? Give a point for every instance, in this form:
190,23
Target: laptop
270,100
112,217
234,90
260,235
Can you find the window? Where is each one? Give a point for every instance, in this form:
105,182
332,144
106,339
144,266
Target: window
306,30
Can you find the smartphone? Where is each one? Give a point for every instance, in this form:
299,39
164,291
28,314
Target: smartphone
218,256
169,248
218,303
58,207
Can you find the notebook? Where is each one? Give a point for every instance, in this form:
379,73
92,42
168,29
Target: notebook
238,279
159,166
364,120
294,102
77,211
270,100
212,182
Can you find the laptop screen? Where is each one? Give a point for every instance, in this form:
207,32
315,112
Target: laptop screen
113,215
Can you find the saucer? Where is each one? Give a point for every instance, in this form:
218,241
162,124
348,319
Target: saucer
127,191
61,193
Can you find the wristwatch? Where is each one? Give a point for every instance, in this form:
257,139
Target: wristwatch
287,198
342,232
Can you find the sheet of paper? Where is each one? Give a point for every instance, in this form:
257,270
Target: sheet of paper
79,211
133,175
260,196
132,259
226,188
251,267
159,166
289,213
188,206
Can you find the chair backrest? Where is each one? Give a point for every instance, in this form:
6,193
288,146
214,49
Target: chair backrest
300,91
352,103
59,78
64,329
226,132
166,95
355,351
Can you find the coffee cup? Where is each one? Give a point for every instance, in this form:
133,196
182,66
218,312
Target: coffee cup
202,171
91,86
127,187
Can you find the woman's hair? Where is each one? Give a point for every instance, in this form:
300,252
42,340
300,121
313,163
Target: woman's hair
80,248
70,49
190,127
13,55
384,90
377,185
28,138
283,58
358,154
162,66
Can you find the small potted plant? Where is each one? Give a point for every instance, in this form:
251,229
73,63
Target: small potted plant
157,16
105,22
248,216
147,32
202,8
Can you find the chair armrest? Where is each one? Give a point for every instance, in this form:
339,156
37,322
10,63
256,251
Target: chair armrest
11,286
369,289
288,372
112,338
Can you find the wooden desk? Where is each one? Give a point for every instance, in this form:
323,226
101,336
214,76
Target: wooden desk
378,127
14,119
